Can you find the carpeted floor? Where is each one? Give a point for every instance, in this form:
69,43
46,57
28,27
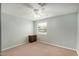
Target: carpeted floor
38,49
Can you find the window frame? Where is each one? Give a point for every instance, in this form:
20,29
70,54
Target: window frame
41,30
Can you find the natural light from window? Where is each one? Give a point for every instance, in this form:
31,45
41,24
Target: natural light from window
42,28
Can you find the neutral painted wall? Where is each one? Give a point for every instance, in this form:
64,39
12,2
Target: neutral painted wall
14,30
0,27
78,31
61,30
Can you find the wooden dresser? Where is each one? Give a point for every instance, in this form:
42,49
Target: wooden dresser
32,38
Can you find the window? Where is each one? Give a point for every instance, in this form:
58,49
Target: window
42,28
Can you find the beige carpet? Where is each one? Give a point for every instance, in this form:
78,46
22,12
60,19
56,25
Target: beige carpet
38,49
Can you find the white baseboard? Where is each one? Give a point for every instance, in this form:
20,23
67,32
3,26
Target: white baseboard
12,46
77,52
61,46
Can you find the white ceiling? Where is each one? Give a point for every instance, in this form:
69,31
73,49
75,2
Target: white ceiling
25,10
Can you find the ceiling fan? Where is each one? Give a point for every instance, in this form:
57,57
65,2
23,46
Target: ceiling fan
40,9
36,7
42,4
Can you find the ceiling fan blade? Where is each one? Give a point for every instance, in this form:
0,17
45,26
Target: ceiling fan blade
28,5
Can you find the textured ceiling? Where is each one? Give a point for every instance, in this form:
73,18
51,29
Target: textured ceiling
26,10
